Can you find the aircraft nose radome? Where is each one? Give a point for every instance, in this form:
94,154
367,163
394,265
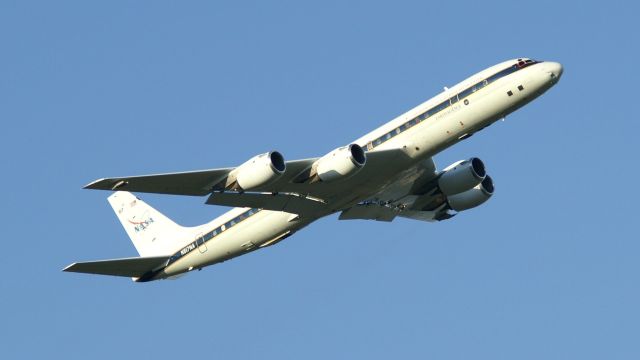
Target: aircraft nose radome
554,69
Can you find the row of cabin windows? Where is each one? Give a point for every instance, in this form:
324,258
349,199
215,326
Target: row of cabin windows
445,104
232,222
210,235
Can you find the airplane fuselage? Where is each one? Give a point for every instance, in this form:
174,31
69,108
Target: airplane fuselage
420,133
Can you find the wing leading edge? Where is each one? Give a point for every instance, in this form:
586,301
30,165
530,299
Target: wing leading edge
194,183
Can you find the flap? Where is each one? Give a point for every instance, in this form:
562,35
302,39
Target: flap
290,203
369,212
384,213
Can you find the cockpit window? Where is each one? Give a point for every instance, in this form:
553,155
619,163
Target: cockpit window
523,63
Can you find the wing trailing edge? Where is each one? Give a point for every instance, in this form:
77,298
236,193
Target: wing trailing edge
291,203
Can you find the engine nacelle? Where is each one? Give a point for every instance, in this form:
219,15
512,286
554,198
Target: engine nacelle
260,170
472,198
462,176
341,163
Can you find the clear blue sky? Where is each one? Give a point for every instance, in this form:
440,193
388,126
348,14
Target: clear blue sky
548,269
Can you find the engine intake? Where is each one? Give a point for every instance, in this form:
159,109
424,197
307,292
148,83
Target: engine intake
341,163
462,176
472,198
258,171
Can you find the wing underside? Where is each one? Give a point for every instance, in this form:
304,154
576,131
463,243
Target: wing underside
391,170
291,203
388,213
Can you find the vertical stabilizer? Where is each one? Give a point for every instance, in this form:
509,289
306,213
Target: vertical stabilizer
152,233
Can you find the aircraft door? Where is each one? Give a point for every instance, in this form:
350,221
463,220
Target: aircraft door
200,243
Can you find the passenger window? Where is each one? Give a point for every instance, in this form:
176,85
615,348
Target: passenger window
442,106
465,93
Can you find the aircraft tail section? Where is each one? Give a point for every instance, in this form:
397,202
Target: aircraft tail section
152,233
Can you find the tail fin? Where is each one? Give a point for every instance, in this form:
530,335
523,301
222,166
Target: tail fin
152,233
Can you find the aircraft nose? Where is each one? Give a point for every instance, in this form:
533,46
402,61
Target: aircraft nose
554,69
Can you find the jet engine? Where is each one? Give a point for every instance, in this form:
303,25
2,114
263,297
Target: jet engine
341,163
462,176
473,197
260,170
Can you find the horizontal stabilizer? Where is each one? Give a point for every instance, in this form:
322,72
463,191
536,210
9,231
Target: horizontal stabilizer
129,267
276,202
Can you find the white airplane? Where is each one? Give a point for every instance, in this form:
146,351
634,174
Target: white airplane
388,172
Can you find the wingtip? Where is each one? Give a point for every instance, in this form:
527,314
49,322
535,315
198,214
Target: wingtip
68,267
92,184
106,184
